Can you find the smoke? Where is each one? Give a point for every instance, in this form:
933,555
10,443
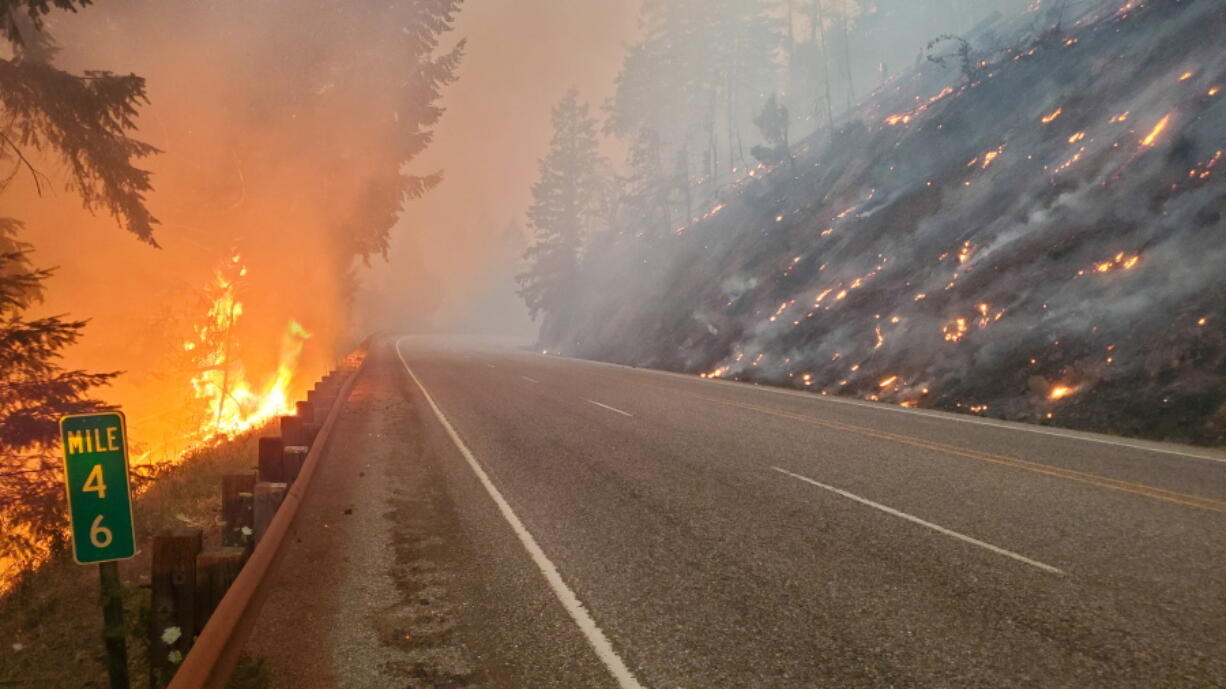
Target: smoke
454,260
280,126
961,245
278,122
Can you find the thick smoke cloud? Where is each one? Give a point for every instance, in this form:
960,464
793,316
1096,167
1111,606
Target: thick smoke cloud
279,125
456,250
1037,239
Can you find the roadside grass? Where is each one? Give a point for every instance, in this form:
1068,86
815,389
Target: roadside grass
51,624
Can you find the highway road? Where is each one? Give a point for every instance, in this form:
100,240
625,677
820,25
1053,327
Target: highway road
493,517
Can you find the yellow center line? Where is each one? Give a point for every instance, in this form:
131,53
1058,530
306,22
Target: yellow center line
1142,489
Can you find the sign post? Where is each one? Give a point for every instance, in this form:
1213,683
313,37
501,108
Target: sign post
100,514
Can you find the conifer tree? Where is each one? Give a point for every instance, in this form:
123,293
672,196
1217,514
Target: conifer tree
418,32
35,390
83,120
568,200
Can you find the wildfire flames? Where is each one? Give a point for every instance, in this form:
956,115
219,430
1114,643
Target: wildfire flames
1059,392
235,404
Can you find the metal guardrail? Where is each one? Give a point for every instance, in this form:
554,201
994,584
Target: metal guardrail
216,652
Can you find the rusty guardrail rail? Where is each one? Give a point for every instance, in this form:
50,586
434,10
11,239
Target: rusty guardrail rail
215,653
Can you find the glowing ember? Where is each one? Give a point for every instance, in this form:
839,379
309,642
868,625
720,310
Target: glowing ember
1156,132
1120,261
1051,117
1185,76
955,330
908,116
1059,392
991,156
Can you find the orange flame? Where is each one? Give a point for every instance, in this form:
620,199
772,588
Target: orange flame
234,404
1059,392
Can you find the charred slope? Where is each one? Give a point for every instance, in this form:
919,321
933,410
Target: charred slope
1039,237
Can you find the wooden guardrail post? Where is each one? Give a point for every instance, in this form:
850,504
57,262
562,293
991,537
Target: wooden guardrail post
271,451
268,498
291,430
295,457
237,489
172,610
216,569
306,412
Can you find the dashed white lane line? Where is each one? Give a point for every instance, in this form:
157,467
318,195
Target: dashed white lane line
491,366
612,409
1082,436
916,520
574,607
530,380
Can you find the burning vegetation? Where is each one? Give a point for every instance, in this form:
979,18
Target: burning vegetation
287,142
1068,273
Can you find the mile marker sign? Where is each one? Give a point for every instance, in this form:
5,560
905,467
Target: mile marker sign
96,479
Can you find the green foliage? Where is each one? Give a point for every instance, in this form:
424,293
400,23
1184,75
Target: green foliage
567,200
34,392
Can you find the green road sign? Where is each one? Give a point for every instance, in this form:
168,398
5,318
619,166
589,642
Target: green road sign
96,479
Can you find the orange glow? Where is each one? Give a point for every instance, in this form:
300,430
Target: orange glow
908,116
955,330
1156,132
1120,261
234,404
1051,117
1059,392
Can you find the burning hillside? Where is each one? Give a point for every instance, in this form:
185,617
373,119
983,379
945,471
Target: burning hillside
1035,236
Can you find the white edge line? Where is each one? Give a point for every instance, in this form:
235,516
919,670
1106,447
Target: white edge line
1144,446
530,380
574,607
612,409
921,522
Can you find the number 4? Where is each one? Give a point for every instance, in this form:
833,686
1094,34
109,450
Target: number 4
94,484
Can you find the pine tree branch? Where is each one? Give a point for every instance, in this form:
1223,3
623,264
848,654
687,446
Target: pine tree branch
23,161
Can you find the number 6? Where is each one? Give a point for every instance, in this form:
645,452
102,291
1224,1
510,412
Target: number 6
99,535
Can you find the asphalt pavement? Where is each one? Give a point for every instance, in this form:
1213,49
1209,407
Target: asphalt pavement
488,516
